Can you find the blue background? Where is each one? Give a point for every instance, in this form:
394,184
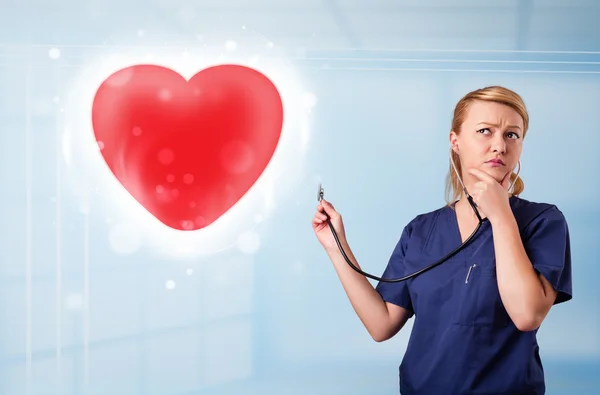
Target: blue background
80,314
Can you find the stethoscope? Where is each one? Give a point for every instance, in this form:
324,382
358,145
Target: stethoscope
321,193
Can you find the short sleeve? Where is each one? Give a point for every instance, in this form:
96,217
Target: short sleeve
398,292
548,247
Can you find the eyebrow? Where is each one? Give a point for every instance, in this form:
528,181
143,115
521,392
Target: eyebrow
496,125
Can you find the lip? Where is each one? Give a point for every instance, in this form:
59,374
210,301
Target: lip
496,162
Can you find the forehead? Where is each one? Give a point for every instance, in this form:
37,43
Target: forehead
493,113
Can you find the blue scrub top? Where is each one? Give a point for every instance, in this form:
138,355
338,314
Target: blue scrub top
463,340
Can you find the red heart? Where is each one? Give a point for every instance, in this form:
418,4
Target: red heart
187,151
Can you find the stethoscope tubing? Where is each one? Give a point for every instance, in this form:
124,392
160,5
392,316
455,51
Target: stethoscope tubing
418,272
452,253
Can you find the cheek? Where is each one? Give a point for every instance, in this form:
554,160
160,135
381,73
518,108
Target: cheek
476,153
516,149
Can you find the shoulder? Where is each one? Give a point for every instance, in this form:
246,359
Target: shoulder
529,213
424,222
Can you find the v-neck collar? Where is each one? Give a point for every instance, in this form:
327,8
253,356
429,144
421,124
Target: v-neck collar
455,228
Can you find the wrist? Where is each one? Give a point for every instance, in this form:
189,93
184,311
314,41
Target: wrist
334,250
505,218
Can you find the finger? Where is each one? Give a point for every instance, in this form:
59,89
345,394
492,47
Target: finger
482,186
321,209
482,175
329,208
318,227
477,192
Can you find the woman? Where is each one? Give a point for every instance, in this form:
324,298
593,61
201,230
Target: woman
476,315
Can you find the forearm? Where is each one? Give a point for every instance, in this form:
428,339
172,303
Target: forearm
366,301
521,290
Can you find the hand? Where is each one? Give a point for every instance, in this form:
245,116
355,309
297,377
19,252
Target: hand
490,195
321,227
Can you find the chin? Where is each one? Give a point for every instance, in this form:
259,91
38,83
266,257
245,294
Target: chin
497,173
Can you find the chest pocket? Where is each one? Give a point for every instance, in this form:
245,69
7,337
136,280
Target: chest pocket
479,298
435,293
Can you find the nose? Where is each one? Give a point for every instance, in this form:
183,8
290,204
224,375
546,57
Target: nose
498,144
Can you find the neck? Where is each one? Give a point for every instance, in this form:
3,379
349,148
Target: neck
469,182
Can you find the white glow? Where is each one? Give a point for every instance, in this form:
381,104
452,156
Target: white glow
309,100
124,238
54,53
249,242
87,171
230,45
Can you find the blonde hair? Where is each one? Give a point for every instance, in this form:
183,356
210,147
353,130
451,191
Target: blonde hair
495,94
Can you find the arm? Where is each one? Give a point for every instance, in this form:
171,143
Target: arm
381,319
544,248
527,296
533,269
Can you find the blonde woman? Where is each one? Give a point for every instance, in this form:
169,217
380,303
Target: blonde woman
476,315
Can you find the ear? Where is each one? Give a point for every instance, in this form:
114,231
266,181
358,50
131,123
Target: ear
454,141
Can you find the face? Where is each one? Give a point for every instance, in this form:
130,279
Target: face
490,139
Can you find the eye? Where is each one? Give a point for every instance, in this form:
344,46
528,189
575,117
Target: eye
513,134
482,131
